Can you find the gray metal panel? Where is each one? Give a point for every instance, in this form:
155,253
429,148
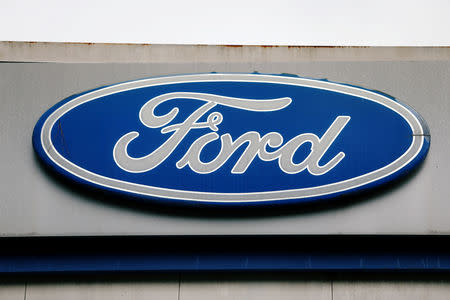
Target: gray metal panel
33,203
12,290
150,287
161,53
412,290
259,287
231,286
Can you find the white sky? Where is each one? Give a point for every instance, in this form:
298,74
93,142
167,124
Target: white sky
277,22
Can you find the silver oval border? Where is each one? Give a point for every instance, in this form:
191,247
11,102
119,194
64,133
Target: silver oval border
414,149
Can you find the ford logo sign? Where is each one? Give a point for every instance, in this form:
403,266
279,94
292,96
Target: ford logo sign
231,138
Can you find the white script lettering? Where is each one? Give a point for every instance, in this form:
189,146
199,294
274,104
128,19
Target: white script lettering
255,144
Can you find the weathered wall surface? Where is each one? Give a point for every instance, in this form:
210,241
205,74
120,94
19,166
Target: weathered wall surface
122,53
230,286
34,203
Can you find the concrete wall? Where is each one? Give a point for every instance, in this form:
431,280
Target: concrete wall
229,286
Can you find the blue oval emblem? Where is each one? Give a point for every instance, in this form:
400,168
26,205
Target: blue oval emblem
231,138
